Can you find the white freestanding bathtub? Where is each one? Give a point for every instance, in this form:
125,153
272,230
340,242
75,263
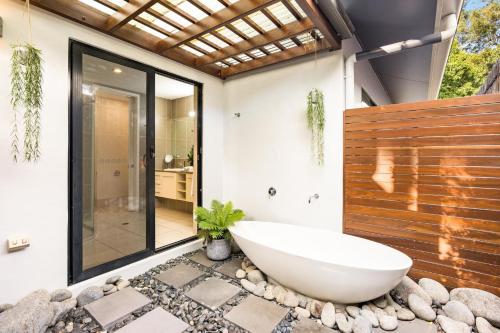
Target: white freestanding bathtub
320,263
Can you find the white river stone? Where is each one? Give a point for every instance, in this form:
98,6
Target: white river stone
435,290
452,326
480,302
372,318
459,311
328,315
388,323
407,286
420,308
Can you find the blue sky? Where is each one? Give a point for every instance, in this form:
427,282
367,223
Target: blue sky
473,4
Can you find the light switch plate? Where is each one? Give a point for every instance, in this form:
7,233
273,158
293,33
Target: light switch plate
17,243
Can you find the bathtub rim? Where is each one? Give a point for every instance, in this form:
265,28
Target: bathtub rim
352,266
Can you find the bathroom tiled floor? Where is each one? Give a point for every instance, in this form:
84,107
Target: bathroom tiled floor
172,226
165,292
118,232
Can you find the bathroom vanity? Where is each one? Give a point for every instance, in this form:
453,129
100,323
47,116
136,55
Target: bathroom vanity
174,184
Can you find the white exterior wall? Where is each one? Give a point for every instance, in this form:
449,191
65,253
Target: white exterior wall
34,197
270,145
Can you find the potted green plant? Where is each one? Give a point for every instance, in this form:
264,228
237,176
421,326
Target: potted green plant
214,226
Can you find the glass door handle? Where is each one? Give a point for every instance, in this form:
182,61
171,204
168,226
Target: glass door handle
151,155
152,152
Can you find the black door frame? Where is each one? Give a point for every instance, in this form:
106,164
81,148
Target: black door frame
75,225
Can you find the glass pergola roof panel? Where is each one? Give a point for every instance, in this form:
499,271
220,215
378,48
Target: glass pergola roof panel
177,19
245,28
257,53
271,48
305,38
194,11
214,5
232,61
243,57
288,43
221,64
119,3
99,6
262,21
159,23
160,8
297,8
203,46
234,38
147,29
191,50
281,13
217,41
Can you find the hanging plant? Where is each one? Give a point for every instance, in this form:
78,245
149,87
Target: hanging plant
26,92
316,122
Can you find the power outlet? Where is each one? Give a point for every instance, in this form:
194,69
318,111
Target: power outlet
17,243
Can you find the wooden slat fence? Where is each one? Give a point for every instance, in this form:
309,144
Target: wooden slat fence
425,178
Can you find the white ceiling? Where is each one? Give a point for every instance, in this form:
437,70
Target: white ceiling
172,89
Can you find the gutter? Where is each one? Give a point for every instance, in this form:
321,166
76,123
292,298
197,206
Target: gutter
450,24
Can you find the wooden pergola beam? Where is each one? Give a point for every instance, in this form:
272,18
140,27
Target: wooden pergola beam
127,13
272,36
135,36
321,22
271,59
221,18
82,14
75,11
168,46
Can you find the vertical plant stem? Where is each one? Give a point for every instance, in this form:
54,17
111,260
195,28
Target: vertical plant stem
16,95
33,103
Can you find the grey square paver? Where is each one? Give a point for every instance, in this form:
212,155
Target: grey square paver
414,326
110,309
229,268
306,325
179,275
155,321
201,258
256,314
213,292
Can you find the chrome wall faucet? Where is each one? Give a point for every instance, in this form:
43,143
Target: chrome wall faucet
314,196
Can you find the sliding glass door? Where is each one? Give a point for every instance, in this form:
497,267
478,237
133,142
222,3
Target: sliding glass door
112,155
125,202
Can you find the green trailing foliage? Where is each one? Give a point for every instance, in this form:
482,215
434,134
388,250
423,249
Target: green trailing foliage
214,223
316,123
26,91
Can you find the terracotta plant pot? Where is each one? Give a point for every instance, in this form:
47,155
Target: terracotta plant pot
219,249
